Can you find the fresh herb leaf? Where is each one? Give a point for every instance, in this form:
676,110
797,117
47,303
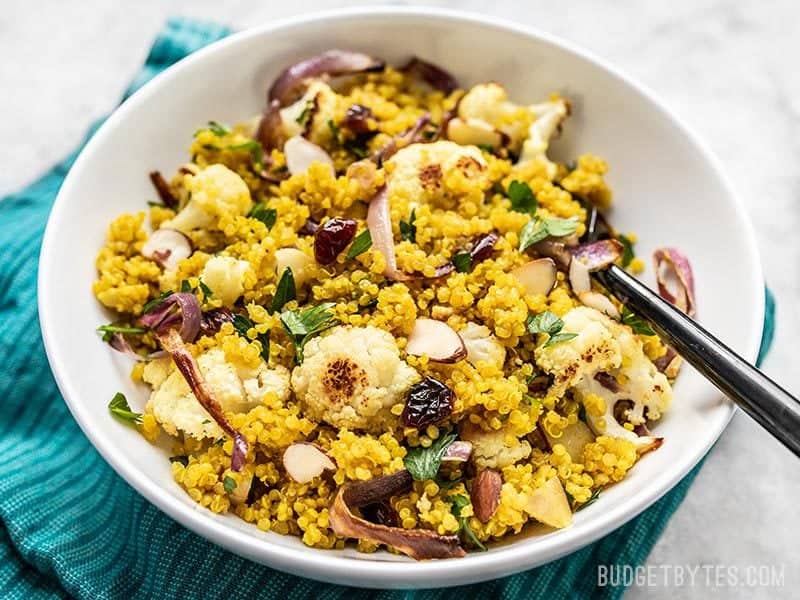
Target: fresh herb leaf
335,131
462,262
592,499
156,301
267,216
424,463
446,484
356,148
304,114
537,230
285,292
120,408
302,325
361,244
112,329
571,165
408,231
264,339
255,150
185,286
207,291
522,197
242,325
229,483
549,323
488,148
459,502
218,128
627,250
184,460
636,323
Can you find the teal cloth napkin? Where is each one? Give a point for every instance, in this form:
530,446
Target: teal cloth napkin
69,526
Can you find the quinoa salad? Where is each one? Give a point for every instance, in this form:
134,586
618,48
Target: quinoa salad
366,317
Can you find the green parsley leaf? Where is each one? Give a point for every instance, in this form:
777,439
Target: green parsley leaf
335,131
255,150
459,502
558,338
267,216
544,322
488,148
462,262
304,114
184,460
537,230
302,325
636,323
627,250
156,301
424,463
522,197
218,129
592,499
242,325
446,484
361,244
207,291
355,147
229,483
285,292
111,329
408,231
185,286
120,408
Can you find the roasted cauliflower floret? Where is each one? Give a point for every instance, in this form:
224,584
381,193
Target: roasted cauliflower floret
351,377
215,192
494,449
224,276
593,349
237,388
310,115
482,346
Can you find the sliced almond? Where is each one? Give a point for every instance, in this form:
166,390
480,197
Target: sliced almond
167,247
579,277
474,132
297,260
548,504
437,340
304,461
485,494
301,154
600,302
538,276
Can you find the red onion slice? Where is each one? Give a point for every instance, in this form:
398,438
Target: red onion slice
268,133
160,317
162,188
412,135
598,255
379,223
433,75
458,451
673,267
329,63
172,342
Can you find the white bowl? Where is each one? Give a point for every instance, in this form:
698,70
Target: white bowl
668,189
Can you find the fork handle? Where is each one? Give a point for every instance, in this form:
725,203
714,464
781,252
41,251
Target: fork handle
772,407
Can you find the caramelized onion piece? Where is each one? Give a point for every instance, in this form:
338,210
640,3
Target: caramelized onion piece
598,255
412,135
171,341
419,544
162,188
672,264
379,223
268,133
458,451
162,315
330,63
433,75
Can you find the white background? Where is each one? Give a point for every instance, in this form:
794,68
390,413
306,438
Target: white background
729,69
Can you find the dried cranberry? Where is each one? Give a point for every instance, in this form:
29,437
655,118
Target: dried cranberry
212,320
381,513
428,401
331,238
483,248
357,118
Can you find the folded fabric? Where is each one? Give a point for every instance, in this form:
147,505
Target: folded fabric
69,526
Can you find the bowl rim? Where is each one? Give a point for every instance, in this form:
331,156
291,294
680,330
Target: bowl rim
310,562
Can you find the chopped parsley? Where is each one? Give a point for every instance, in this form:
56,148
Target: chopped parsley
229,483
522,197
627,250
285,292
488,148
243,325
207,291
267,216
120,408
462,262
186,287
335,131
304,324
108,331
361,244
592,499
549,323
255,150
636,323
305,113
214,127
355,147
458,503
408,231
184,460
537,230
424,463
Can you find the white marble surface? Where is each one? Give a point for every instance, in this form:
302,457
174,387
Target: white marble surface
729,69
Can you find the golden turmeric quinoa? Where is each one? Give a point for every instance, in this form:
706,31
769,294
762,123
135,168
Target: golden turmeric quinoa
354,317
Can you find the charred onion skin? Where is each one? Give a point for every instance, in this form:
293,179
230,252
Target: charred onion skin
433,75
674,259
172,342
419,544
162,188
